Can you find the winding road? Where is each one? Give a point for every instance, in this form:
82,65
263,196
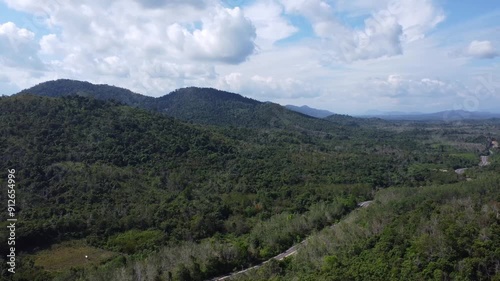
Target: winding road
484,161
291,251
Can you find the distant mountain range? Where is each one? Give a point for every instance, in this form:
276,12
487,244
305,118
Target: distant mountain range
66,87
447,116
318,113
215,107
198,105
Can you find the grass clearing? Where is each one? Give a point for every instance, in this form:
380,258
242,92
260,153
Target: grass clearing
64,256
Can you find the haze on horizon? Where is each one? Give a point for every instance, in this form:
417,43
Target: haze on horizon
346,56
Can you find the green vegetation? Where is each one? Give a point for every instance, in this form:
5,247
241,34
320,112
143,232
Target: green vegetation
63,257
447,232
159,198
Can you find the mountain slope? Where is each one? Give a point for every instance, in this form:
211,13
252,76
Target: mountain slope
445,232
74,156
219,108
133,182
66,87
198,105
207,106
318,113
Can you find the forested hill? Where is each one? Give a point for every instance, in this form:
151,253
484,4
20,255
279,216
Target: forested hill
92,167
131,181
66,87
198,105
197,201
208,106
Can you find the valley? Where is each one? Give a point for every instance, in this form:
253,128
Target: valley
201,183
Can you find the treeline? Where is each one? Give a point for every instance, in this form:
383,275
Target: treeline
132,181
447,232
221,254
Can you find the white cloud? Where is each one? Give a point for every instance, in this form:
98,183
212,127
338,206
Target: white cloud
226,36
50,45
481,50
267,87
30,6
384,31
18,47
112,65
381,37
271,26
417,17
398,86
361,54
111,42
156,4
109,28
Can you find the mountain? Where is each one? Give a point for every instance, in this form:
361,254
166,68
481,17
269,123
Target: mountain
67,87
446,116
208,106
78,155
131,181
142,193
197,105
220,108
318,113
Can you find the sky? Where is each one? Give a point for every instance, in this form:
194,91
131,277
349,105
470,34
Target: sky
346,56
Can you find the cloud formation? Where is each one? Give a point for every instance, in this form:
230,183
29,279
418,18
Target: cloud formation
481,50
18,47
227,36
156,4
266,87
270,23
398,86
384,32
346,56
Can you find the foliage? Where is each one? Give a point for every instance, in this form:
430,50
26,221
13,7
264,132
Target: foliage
448,232
183,200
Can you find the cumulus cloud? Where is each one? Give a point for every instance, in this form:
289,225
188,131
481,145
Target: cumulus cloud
267,87
50,45
416,17
228,36
159,45
112,65
155,4
162,69
109,28
384,31
381,37
29,5
267,17
155,46
481,50
18,47
396,85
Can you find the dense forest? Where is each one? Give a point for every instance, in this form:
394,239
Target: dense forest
200,183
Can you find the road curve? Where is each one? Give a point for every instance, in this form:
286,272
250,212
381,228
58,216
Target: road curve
484,161
291,251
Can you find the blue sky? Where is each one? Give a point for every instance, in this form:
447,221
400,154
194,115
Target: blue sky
347,56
